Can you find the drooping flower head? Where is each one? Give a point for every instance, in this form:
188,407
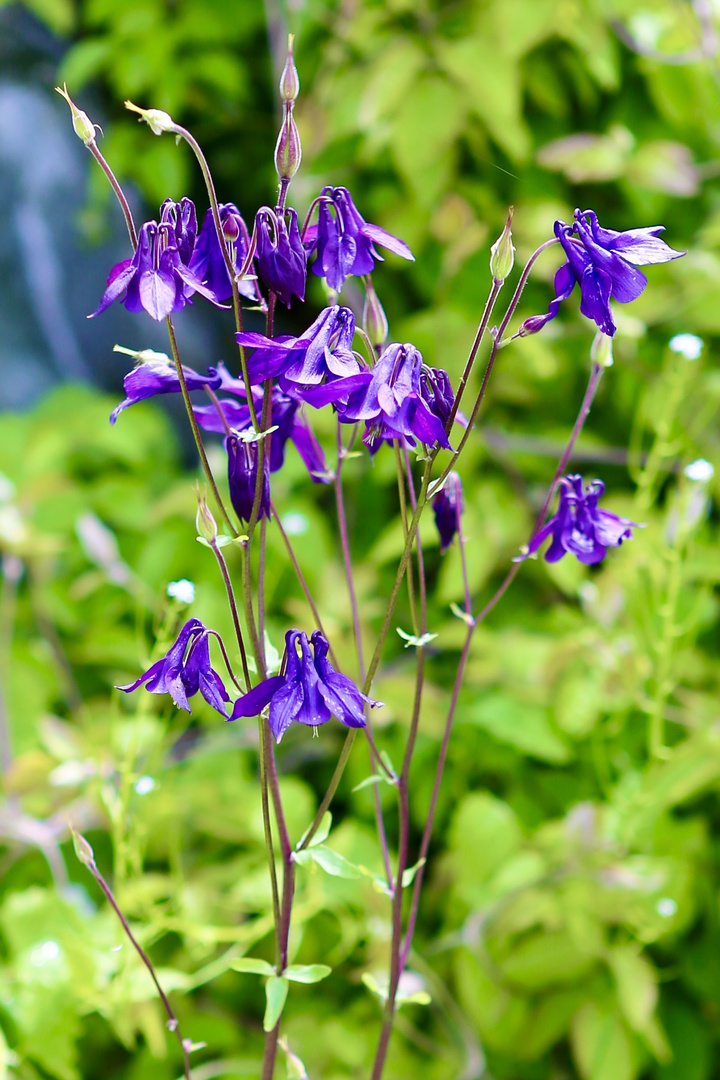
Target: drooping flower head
604,264
156,279
184,670
390,399
155,374
309,692
280,255
207,262
344,241
580,526
324,351
448,506
243,463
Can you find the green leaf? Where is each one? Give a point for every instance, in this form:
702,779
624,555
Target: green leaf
330,861
521,724
307,973
322,834
412,639
376,778
252,966
276,991
409,874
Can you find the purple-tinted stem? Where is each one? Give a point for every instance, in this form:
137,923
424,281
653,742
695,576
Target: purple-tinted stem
482,327
357,633
418,547
173,1024
590,392
227,581
261,581
404,517
124,205
195,429
493,355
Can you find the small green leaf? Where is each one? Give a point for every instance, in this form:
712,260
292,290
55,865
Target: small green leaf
333,863
376,778
322,833
374,986
252,966
409,874
460,614
412,639
379,884
276,991
307,973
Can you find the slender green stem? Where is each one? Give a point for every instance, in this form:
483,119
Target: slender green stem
233,609
124,204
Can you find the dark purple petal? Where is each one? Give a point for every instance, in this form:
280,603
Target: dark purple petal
253,703
387,240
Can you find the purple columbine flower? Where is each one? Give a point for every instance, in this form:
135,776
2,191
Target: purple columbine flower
604,263
157,375
448,506
281,257
185,669
390,399
579,526
309,692
287,417
183,219
324,351
207,262
344,241
155,280
243,458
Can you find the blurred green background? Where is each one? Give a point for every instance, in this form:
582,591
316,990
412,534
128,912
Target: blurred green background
569,925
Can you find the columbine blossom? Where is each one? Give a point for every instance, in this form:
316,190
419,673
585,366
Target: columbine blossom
280,255
155,280
243,463
448,506
157,375
309,692
391,399
604,263
184,670
344,241
323,351
183,218
208,263
579,526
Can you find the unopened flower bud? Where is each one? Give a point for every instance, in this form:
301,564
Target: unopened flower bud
204,521
374,319
289,80
502,253
602,350
81,122
157,120
288,151
84,852
231,228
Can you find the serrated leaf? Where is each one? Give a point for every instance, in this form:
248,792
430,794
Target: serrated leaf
409,874
276,991
252,966
307,973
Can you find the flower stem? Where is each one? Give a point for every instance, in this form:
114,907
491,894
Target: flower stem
173,1024
124,204
482,327
195,429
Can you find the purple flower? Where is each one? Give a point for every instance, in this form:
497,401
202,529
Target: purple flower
309,692
579,526
604,263
281,257
243,460
207,262
155,280
448,506
390,399
157,375
344,241
184,670
183,219
323,351
287,417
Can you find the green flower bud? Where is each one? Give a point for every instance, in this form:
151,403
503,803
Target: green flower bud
289,80
502,253
374,319
204,521
157,120
84,852
602,350
288,151
81,122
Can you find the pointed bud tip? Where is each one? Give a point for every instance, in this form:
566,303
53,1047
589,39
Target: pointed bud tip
157,120
288,150
204,521
502,253
81,122
84,852
374,319
289,80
